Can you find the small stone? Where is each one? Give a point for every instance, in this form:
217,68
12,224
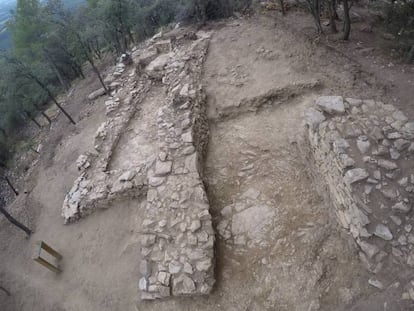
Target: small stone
403,181
162,156
402,207
355,175
411,292
313,118
377,175
389,193
227,210
346,160
408,228
188,268
410,259
204,265
156,181
376,133
195,225
398,115
383,232
402,240
143,284
163,168
401,144
388,165
393,135
174,267
394,154
331,104
183,285
192,239
368,189
376,283
148,239
408,129
251,193
187,137
380,151
411,148
188,150
363,144
127,176
184,90
165,291
354,102
369,249
183,227
340,146
396,220
164,278
145,268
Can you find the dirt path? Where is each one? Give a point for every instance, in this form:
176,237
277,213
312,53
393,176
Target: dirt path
278,247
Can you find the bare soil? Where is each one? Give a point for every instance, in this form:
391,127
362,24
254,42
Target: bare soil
306,262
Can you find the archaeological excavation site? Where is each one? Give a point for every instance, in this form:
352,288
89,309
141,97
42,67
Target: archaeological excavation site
230,167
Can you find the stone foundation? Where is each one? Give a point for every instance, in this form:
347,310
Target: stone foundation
363,152
178,244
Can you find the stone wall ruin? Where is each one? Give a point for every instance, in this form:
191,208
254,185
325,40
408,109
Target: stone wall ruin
177,237
362,151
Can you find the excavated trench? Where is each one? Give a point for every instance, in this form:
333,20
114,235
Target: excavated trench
255,207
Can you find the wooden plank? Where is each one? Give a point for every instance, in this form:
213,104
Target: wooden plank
47,264
50,250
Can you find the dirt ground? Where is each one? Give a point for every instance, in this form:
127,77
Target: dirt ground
302,261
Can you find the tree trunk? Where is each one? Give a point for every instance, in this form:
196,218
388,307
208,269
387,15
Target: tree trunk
11,185
347,20
282,7
43,114
332,15
90,60
62,81
15,222
49,93
28,115
46,117
316,15
410,56
5,290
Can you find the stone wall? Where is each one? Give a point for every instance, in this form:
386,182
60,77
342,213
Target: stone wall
97,187
362,152
178,244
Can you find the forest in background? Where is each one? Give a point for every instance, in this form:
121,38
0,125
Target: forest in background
52,43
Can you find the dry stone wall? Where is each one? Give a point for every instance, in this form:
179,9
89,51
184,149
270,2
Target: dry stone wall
178,241
97,187
363,151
